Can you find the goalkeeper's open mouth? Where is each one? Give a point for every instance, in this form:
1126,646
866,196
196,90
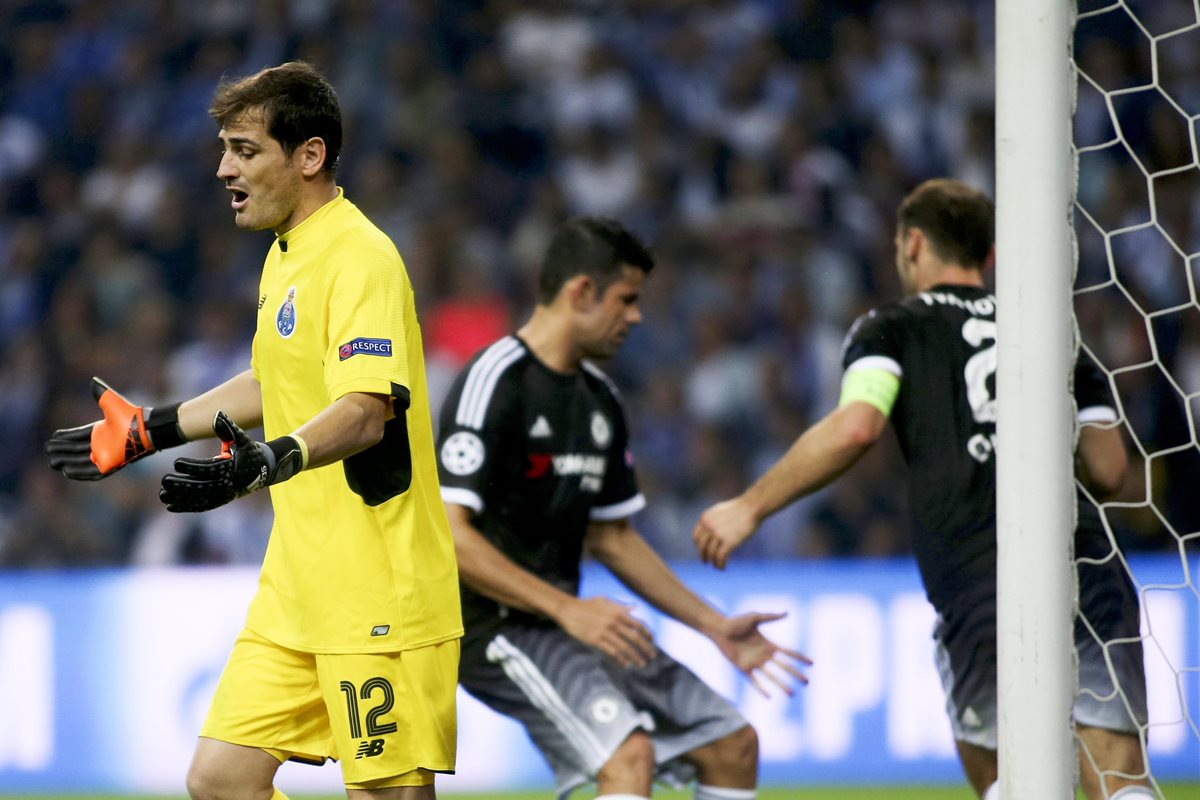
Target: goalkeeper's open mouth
239,199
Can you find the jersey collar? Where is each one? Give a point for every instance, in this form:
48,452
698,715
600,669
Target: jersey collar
958,287
299,233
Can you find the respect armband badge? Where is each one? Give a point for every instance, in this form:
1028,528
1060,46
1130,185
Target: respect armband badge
365,347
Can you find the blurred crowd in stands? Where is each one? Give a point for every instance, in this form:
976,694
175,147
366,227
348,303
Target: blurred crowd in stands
759,146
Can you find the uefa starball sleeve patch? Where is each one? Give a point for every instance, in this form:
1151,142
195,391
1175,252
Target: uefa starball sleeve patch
365,347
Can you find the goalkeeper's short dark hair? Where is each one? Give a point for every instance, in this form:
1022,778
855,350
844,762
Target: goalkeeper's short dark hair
594,246
958,220
296,102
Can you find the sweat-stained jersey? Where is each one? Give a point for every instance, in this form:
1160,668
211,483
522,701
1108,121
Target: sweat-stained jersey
941,344
536,455
360,558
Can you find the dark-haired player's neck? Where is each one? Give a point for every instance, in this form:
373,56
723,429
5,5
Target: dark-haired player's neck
921,267
584,321
921,270
550,337
951,275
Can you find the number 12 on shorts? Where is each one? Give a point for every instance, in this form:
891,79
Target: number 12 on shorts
375,728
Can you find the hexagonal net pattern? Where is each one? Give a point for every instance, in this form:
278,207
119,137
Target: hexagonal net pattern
1137,229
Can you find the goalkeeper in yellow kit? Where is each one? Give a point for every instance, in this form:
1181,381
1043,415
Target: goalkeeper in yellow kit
350,647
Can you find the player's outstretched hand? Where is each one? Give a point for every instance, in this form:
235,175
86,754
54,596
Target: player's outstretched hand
98,449
757,656
243,466
721,528
611,628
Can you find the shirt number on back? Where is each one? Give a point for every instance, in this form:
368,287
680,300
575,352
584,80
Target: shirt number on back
980,367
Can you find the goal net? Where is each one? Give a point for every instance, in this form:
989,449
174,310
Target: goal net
1137,233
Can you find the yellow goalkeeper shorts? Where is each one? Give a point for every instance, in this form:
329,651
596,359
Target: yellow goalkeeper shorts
388,717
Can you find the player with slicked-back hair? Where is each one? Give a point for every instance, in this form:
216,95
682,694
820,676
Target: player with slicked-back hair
350,647
927,362
293,104
536,471
957,221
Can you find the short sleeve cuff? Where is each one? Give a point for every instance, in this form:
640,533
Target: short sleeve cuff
462,497
1097,415
878,362
381,386
626,508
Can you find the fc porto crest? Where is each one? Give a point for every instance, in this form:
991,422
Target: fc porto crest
285,319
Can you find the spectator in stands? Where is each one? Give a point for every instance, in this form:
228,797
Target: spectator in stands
469,129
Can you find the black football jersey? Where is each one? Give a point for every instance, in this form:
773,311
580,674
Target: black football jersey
537,455
942,344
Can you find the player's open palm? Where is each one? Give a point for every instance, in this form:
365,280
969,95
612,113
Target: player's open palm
756,656
721,528
611,628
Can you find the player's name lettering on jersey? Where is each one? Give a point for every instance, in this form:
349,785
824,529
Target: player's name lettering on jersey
981,447
983,307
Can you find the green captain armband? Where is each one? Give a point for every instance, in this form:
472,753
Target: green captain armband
871,385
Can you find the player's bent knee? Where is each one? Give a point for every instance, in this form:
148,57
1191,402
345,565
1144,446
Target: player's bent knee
222,771
741,747
633,759
734,751
205,783
210,784
729,761
1118,757
1112,751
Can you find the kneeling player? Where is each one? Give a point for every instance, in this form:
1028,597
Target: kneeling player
536,471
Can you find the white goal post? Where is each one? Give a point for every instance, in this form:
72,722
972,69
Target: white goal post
1118,197
1035,419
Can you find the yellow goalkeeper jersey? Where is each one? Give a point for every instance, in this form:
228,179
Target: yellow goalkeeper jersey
360,557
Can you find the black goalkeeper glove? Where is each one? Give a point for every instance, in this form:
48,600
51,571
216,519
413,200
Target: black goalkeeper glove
127,433
244,466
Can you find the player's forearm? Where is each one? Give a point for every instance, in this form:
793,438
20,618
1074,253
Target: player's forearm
627,555
486,570
349,425
1101,460
820,455
240,397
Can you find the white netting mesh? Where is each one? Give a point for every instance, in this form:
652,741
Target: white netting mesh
1138,230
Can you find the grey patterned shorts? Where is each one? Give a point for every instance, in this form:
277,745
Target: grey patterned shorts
578,706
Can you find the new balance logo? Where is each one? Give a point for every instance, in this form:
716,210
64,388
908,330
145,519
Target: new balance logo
370,749
540,429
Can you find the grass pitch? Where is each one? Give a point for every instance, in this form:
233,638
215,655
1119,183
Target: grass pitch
1172,791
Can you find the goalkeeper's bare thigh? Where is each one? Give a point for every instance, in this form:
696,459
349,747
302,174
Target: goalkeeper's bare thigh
578,706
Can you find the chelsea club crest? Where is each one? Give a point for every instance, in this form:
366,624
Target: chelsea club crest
285,320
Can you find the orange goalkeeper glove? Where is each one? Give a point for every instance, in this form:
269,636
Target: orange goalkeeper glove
127,433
